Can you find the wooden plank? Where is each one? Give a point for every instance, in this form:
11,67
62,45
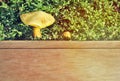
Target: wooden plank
60,44
59,64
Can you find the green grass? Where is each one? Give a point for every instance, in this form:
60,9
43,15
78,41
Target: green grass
84,19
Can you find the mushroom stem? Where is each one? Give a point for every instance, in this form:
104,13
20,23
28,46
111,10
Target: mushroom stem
36,32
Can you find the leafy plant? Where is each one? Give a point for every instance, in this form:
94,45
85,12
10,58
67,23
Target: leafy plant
1,32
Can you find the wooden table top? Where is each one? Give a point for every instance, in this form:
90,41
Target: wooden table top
59,61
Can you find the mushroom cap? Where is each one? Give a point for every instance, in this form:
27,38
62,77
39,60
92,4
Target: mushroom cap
37,19
67,35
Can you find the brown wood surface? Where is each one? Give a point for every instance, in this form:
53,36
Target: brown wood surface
60,44
77,63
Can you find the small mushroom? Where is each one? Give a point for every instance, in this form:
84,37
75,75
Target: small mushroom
67,35
37,20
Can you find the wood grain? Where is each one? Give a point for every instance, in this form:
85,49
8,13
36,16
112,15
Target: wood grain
60,44
60,64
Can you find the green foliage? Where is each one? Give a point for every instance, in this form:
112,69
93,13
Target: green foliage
84,19
1,32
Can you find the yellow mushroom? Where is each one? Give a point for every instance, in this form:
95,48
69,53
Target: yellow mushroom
37,20
67,35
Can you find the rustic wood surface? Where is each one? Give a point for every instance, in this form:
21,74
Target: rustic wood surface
60,44
79,61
